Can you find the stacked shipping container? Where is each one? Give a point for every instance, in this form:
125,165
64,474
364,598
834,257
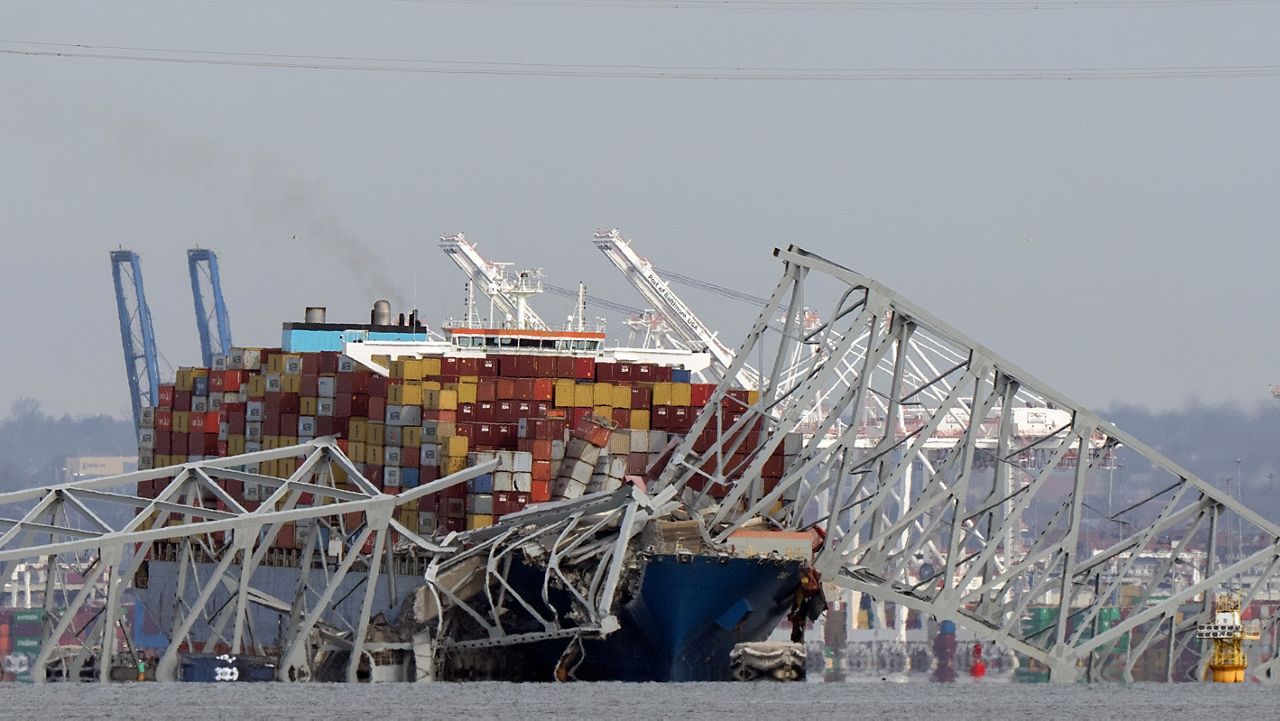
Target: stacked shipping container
558,426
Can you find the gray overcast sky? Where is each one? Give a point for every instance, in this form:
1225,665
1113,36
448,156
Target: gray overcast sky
1117,238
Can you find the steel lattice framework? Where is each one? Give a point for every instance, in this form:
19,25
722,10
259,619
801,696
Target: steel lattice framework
941,494
103,526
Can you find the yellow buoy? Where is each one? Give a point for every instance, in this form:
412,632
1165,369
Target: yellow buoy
1228,633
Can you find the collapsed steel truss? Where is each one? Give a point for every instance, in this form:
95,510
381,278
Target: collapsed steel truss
116,530
933,497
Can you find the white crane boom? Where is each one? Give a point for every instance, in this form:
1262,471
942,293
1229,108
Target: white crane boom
508,296
686,325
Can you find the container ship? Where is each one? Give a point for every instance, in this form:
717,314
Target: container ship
561,418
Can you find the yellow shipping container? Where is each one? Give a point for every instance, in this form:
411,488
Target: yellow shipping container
183,381
640,420
466,392
291,362
267,468
601,394
375,433
412,437
753,397
681,394
306,406
448,400
603,411
454,446
356,430
452,464
476,520
564,393
181,422
355,451
257,385
285,467
408,518
410,394
468,379
381,359
235,445
286,441
291,384
583,395
430,367
662,394
621,397
431,386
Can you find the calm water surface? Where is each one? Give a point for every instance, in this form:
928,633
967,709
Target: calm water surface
865,700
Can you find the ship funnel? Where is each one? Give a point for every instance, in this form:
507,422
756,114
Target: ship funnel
314,314
381,314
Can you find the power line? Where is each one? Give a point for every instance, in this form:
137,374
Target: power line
653,72
852,4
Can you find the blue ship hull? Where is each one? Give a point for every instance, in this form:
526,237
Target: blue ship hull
686,617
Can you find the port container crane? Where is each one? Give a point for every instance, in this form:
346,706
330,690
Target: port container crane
211,311
136,334
681,319
508,295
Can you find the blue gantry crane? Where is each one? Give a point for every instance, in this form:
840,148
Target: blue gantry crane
135,330
211,310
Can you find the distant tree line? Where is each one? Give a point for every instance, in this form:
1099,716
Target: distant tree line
34,445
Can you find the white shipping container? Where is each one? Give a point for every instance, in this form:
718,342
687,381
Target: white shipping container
429,455
506,461
557,450
580,450
391,475
346,364
306,426
522,462
504,481
252,432
219,362
274,384
293,366
252,446
146,438
522,482
253,411
619,443
327,387
147,417
394,436
215,402
324,407
224,430
391,456
639,441
199,404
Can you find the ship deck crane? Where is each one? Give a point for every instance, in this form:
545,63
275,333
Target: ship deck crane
508,295
211,310
681,319
136,335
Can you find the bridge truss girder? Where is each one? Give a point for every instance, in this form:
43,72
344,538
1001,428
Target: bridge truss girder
932,496
105,528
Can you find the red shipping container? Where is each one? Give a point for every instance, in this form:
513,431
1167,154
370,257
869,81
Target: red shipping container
289,403
164,420
484,434
637,463
564,366
527,366
524,389
236,424
486,390
377,410
605,372
487,367
449,366
164,396
466,430
700,394
643,373
202,444
622,373
541,492
506,389
310,386
441,416
592,432
373,472
164,441
288,424
182,400
377,386
523,409
505,411
577,415
584,368
541,470
310,364
327,362
502,503
468,366
328,426
520,501
543,389
467,412
508,435
427,474
271,424
662,374
622,417
641,397
682,418
660,419
215,382
485,411
544,367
